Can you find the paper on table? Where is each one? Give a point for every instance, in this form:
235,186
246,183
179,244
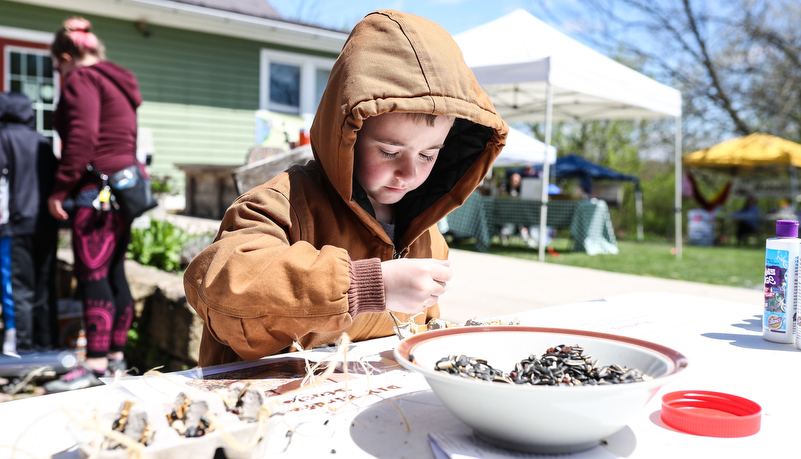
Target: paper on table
435,448
463,446
356,393
459,446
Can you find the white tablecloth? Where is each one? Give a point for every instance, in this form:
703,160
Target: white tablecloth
721,339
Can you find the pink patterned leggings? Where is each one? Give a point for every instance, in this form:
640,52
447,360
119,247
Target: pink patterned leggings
99,243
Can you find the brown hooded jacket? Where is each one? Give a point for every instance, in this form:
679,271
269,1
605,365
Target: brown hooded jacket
298,258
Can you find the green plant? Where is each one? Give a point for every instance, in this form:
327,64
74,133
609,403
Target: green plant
142,353
160,184
159,246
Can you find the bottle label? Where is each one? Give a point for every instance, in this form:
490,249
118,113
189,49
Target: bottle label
776,264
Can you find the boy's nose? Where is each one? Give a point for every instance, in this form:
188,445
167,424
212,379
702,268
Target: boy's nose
406,172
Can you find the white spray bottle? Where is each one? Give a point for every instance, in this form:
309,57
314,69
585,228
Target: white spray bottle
781,283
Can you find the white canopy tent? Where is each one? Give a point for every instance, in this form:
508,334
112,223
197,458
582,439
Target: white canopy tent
523,150
532,72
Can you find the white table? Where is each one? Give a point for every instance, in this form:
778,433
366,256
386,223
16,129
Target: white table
721,339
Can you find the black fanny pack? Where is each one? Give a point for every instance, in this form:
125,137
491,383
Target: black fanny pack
130,190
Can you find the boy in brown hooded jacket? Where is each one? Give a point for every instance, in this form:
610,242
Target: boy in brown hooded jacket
402,136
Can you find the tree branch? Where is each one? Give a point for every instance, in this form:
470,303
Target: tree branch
722,95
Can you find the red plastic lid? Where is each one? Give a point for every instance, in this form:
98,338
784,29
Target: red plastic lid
711,414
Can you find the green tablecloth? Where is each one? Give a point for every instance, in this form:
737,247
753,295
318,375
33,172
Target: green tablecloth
591,228
588,221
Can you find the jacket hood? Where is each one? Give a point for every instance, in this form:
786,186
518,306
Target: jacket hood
124,79
16,108
402,63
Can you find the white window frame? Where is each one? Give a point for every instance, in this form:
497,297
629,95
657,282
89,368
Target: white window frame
32,36
41,52
308,72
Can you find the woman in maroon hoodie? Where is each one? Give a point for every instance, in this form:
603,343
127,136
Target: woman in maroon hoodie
96,120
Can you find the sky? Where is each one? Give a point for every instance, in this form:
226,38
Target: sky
454,15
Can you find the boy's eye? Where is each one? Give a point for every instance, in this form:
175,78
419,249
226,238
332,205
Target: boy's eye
427,158
388,154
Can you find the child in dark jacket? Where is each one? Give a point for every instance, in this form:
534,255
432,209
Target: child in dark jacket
28,233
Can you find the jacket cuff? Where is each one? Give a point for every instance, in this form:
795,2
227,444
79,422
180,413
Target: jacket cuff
366,292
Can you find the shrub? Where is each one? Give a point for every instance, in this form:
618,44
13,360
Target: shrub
161,184
160,245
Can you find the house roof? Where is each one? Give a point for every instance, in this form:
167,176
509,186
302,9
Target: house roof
248,19
257,8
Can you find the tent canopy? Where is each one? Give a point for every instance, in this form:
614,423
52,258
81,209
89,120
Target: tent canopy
749,151
534,73
523,150
515,56
573,166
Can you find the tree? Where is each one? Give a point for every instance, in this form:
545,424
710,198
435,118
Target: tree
736,63
618,144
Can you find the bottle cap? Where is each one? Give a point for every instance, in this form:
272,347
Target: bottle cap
786,228
711,414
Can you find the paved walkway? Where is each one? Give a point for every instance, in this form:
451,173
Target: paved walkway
487,285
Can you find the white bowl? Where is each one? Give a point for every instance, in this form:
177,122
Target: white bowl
541,419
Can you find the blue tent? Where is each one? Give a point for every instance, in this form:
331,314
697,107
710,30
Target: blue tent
572,166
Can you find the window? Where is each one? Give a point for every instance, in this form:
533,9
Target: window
320,82
284,87
292,83
25,67
30,71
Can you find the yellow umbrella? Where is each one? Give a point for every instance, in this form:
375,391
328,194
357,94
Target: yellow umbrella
749,151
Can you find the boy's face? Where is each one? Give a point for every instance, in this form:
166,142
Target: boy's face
394,155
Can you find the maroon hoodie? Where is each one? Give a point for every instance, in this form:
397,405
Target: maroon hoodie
96,120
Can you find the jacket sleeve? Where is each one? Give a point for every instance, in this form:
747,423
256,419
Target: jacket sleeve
257,292
81,101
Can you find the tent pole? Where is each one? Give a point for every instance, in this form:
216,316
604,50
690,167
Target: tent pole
545,171
793,186
638,207
677,207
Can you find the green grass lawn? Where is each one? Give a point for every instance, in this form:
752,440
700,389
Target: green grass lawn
725,265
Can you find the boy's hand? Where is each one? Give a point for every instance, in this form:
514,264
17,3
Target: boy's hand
414,284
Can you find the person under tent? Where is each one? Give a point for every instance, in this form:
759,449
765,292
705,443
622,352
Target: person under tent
747,218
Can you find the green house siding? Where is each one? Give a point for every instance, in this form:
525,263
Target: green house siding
200,91
181,67
24,16
193,134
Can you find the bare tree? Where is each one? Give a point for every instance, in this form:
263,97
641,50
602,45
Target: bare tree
309,12
737,63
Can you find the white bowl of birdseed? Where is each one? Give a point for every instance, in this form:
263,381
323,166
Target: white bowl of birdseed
542,390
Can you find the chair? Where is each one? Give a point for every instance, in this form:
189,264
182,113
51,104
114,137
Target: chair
746,229
254,174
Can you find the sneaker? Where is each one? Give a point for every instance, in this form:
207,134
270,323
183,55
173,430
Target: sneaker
10,342
117,365
79,378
